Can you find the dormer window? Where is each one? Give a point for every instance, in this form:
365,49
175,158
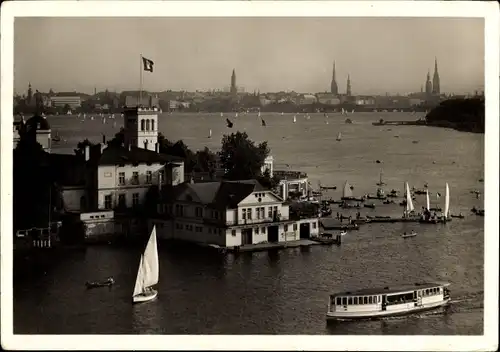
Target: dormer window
135,164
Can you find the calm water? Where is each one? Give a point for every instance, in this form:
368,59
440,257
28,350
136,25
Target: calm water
286,292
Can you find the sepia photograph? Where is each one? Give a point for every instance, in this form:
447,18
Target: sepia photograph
250,168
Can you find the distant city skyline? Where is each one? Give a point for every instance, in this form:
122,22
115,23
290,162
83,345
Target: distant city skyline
379,55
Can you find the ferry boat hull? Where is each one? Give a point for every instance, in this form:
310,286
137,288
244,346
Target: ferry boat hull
145,297
381,314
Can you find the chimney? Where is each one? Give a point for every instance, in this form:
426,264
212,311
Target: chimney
157,147
87,152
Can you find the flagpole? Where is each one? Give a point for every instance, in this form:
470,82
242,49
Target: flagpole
140,85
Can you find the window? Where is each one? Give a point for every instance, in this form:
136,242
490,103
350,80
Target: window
122,202
356,300
370,300
107,201
121,178
147,125
365,300
135,199
199,212
344,301
83,203
233,233
198,229
349,301
294,227
270,212
256,230
263,230
149,177
142,125
161,177
249,213
135,178
258,213
314,225
286,228
152,125
121,165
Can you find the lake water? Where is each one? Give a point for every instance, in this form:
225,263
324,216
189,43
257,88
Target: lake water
286,292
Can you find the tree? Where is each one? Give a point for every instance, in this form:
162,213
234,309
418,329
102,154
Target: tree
206,161
241,158
267,181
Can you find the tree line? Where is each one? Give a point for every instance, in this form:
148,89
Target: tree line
464,114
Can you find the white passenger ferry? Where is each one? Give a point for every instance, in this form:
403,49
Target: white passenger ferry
387,301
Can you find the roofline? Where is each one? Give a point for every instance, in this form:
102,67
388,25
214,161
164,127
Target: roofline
391,290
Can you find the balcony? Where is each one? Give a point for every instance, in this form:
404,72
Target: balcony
243,222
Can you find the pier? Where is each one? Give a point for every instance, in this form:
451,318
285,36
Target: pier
400,123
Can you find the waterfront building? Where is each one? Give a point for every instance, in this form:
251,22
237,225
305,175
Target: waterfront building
328,98
72,101
292,183
307,99
228,214
334,89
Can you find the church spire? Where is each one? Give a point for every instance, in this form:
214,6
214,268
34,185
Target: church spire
233,83
348,90
334,89
436,88
428,84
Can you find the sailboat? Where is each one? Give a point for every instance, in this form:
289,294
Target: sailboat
210,133
446,215
409,203
339,137
380,182
148,273
428,200
294,118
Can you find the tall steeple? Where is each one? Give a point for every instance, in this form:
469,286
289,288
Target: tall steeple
428,84
30,93
233,83
348,90
333,86
436,89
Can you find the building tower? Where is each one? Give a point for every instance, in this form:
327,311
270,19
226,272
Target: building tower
30,94
348,90
141,127
428,84
333,86
436,89
233,83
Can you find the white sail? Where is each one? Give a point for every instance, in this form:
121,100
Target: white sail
259,113
447,201
428,204
210,133
409,203
294,119
339,136
221,114
149,266
347,190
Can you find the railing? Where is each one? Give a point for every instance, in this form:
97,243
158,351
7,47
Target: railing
257,221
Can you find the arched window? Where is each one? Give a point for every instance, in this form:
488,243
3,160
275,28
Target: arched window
152,125
146,144
142,125
147,125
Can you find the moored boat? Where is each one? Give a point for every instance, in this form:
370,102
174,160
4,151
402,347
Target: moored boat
387,301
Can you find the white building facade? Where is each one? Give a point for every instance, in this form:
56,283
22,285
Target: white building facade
229,214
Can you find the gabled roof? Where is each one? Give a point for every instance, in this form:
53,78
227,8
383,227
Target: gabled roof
114,155
220,195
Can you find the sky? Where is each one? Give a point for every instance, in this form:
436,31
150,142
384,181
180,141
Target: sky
268,54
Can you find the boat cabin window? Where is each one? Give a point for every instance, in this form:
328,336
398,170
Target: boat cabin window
355,300
349,300
344,301
400,298
370,300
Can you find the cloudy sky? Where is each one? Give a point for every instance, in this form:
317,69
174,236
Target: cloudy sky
269,54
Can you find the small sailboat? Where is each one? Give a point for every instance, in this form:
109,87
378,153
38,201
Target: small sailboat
236,115
263,123
221,114
446,214
281,113
409,203
229,123
380,182
428,200
210,133
294,119
259,114
148,273
339,137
